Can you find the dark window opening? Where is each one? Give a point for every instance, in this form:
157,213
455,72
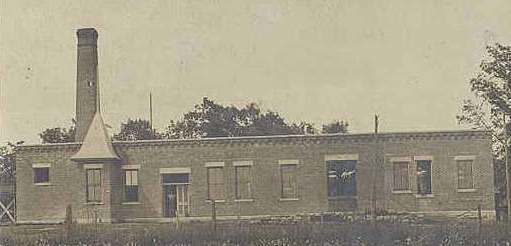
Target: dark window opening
175,178
424,177
131,185
342,178
401,176
41,175
215,180
243,182
465,175
288,181
93,181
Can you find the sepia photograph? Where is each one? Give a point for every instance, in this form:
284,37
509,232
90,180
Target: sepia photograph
263,122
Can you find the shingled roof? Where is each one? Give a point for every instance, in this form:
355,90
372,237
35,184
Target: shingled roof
97,145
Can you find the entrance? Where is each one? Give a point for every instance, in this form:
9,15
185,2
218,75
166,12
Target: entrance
176,199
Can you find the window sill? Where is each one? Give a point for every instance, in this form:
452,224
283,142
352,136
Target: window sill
94,203
216,201
333,198
466,190
424,196
288,199
42,184
244,200
130,203
402,192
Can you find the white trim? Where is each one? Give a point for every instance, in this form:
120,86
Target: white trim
466,190
175,170
289,162
423,158
244,200
215,164
130,203
130,167
41,165
341,157
401,159
465,157
92,166
43,184
401,191
288,199
242,163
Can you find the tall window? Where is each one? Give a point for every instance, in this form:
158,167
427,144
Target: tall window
130,185
215,183
243,182
465,178
423,177
288,181
401,177
41,175
93,188
342,178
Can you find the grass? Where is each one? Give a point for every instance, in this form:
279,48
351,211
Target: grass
246,233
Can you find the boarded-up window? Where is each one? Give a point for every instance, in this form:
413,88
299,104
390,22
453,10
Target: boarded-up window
41,175
401,177
243,182
93,188
288,181
215,183
465,178
341,178
131,185
424,177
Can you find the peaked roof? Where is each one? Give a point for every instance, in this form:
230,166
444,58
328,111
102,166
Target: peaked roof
97,145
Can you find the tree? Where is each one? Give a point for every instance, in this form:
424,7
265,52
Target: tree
137,129
210,119
59,134
335,127
492,93
491,108
7,159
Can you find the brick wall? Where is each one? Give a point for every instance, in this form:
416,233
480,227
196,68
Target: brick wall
67,179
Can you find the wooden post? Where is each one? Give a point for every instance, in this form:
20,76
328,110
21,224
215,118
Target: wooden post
506,153
213,215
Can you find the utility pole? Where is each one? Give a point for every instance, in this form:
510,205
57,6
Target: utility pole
375,166
151,110
506,153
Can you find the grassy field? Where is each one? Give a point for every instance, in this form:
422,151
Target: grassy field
246,233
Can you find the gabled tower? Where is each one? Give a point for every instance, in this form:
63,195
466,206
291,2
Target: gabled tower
87,89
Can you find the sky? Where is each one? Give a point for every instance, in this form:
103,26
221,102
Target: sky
407,61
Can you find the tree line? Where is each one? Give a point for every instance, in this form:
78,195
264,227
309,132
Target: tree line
207,119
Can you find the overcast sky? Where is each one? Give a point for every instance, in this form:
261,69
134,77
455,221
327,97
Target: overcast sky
318,61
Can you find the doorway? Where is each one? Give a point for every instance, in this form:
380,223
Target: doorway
176,198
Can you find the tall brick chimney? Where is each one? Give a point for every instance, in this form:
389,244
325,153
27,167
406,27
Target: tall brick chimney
87,89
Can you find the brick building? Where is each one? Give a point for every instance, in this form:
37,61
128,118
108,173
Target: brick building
426,172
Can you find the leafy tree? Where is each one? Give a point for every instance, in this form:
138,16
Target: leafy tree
7,159
491,108
210,119
59,134
137,129
335,127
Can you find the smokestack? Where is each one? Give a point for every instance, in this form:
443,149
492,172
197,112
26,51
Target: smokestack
87,88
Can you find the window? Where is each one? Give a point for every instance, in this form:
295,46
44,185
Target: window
423,177
215,183
342,178
131,185
41,175
401,177
243,182
465,178
288,181
93,188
